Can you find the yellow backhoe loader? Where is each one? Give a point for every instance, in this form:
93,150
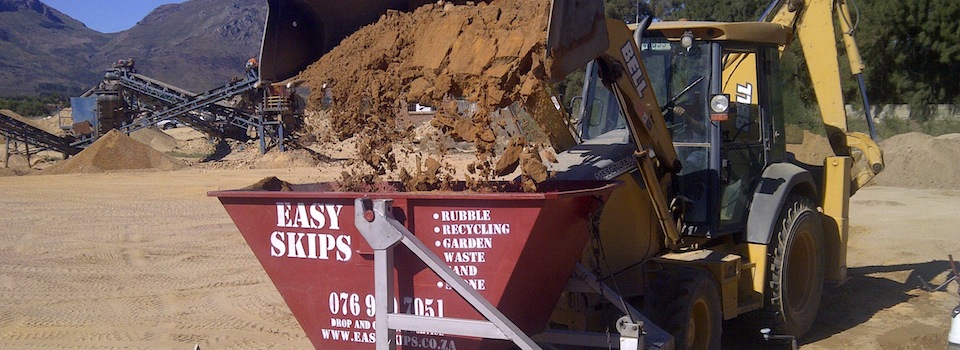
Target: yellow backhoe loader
715,220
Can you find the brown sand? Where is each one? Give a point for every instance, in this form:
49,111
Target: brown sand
115,151
917,160
157,139
911,160
813,149
490,54
298,158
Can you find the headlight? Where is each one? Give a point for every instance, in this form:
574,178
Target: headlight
687,39
720,103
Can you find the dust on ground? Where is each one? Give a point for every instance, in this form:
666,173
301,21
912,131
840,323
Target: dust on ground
489,54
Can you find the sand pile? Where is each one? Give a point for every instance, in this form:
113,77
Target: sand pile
491,54
813,149
918,160
115,151
912,160
157,139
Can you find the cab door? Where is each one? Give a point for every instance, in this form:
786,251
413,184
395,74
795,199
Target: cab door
744,151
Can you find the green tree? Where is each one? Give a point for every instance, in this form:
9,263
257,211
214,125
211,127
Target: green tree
714,10
912,50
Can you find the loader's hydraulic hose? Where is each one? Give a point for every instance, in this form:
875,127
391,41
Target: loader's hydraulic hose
866,108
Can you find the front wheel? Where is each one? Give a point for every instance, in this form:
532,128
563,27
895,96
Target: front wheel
797,268
685,302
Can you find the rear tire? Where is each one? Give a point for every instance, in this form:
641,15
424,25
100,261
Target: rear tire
685,302
797,268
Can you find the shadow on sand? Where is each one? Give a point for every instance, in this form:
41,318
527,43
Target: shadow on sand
842,307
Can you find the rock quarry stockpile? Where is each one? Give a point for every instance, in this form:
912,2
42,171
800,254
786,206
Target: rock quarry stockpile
114,152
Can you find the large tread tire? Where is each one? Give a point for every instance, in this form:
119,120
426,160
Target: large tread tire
685,302
796,268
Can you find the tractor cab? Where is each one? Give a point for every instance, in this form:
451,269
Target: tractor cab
718,88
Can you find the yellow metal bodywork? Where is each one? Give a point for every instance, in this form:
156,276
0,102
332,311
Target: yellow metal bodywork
836,212
740,79
751,283
629,235
843,174
749,32
725,269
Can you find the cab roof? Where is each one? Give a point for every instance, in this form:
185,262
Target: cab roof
750,32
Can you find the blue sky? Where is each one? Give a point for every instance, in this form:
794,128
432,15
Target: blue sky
108,16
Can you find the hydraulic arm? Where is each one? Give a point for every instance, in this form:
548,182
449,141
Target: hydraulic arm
818,40
626,76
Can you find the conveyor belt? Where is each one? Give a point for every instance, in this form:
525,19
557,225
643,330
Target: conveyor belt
182,102
187,104
14,129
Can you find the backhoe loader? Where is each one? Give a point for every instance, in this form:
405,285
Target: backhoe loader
715,220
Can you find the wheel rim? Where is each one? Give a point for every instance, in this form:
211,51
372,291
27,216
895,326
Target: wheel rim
801,275
700,326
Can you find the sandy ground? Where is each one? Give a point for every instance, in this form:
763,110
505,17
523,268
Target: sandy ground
898,236
147,260
144,259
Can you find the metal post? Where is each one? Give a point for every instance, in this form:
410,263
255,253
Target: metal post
383,292
383,233
260,116
280,135
866,108
6,156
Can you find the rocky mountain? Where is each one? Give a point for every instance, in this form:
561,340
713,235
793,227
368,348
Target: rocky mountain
197,45
42,49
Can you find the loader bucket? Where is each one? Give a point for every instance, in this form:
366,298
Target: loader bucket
299,32
516,249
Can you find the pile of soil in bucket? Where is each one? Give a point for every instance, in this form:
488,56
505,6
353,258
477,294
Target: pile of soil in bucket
112,152
491,54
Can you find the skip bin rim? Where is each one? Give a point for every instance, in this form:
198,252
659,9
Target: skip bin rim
577,188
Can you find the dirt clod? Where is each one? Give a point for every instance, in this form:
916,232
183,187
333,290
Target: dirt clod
271,183
510,158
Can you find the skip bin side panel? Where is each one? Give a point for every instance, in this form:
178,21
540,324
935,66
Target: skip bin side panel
507,246
481,240
309,249
556,242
